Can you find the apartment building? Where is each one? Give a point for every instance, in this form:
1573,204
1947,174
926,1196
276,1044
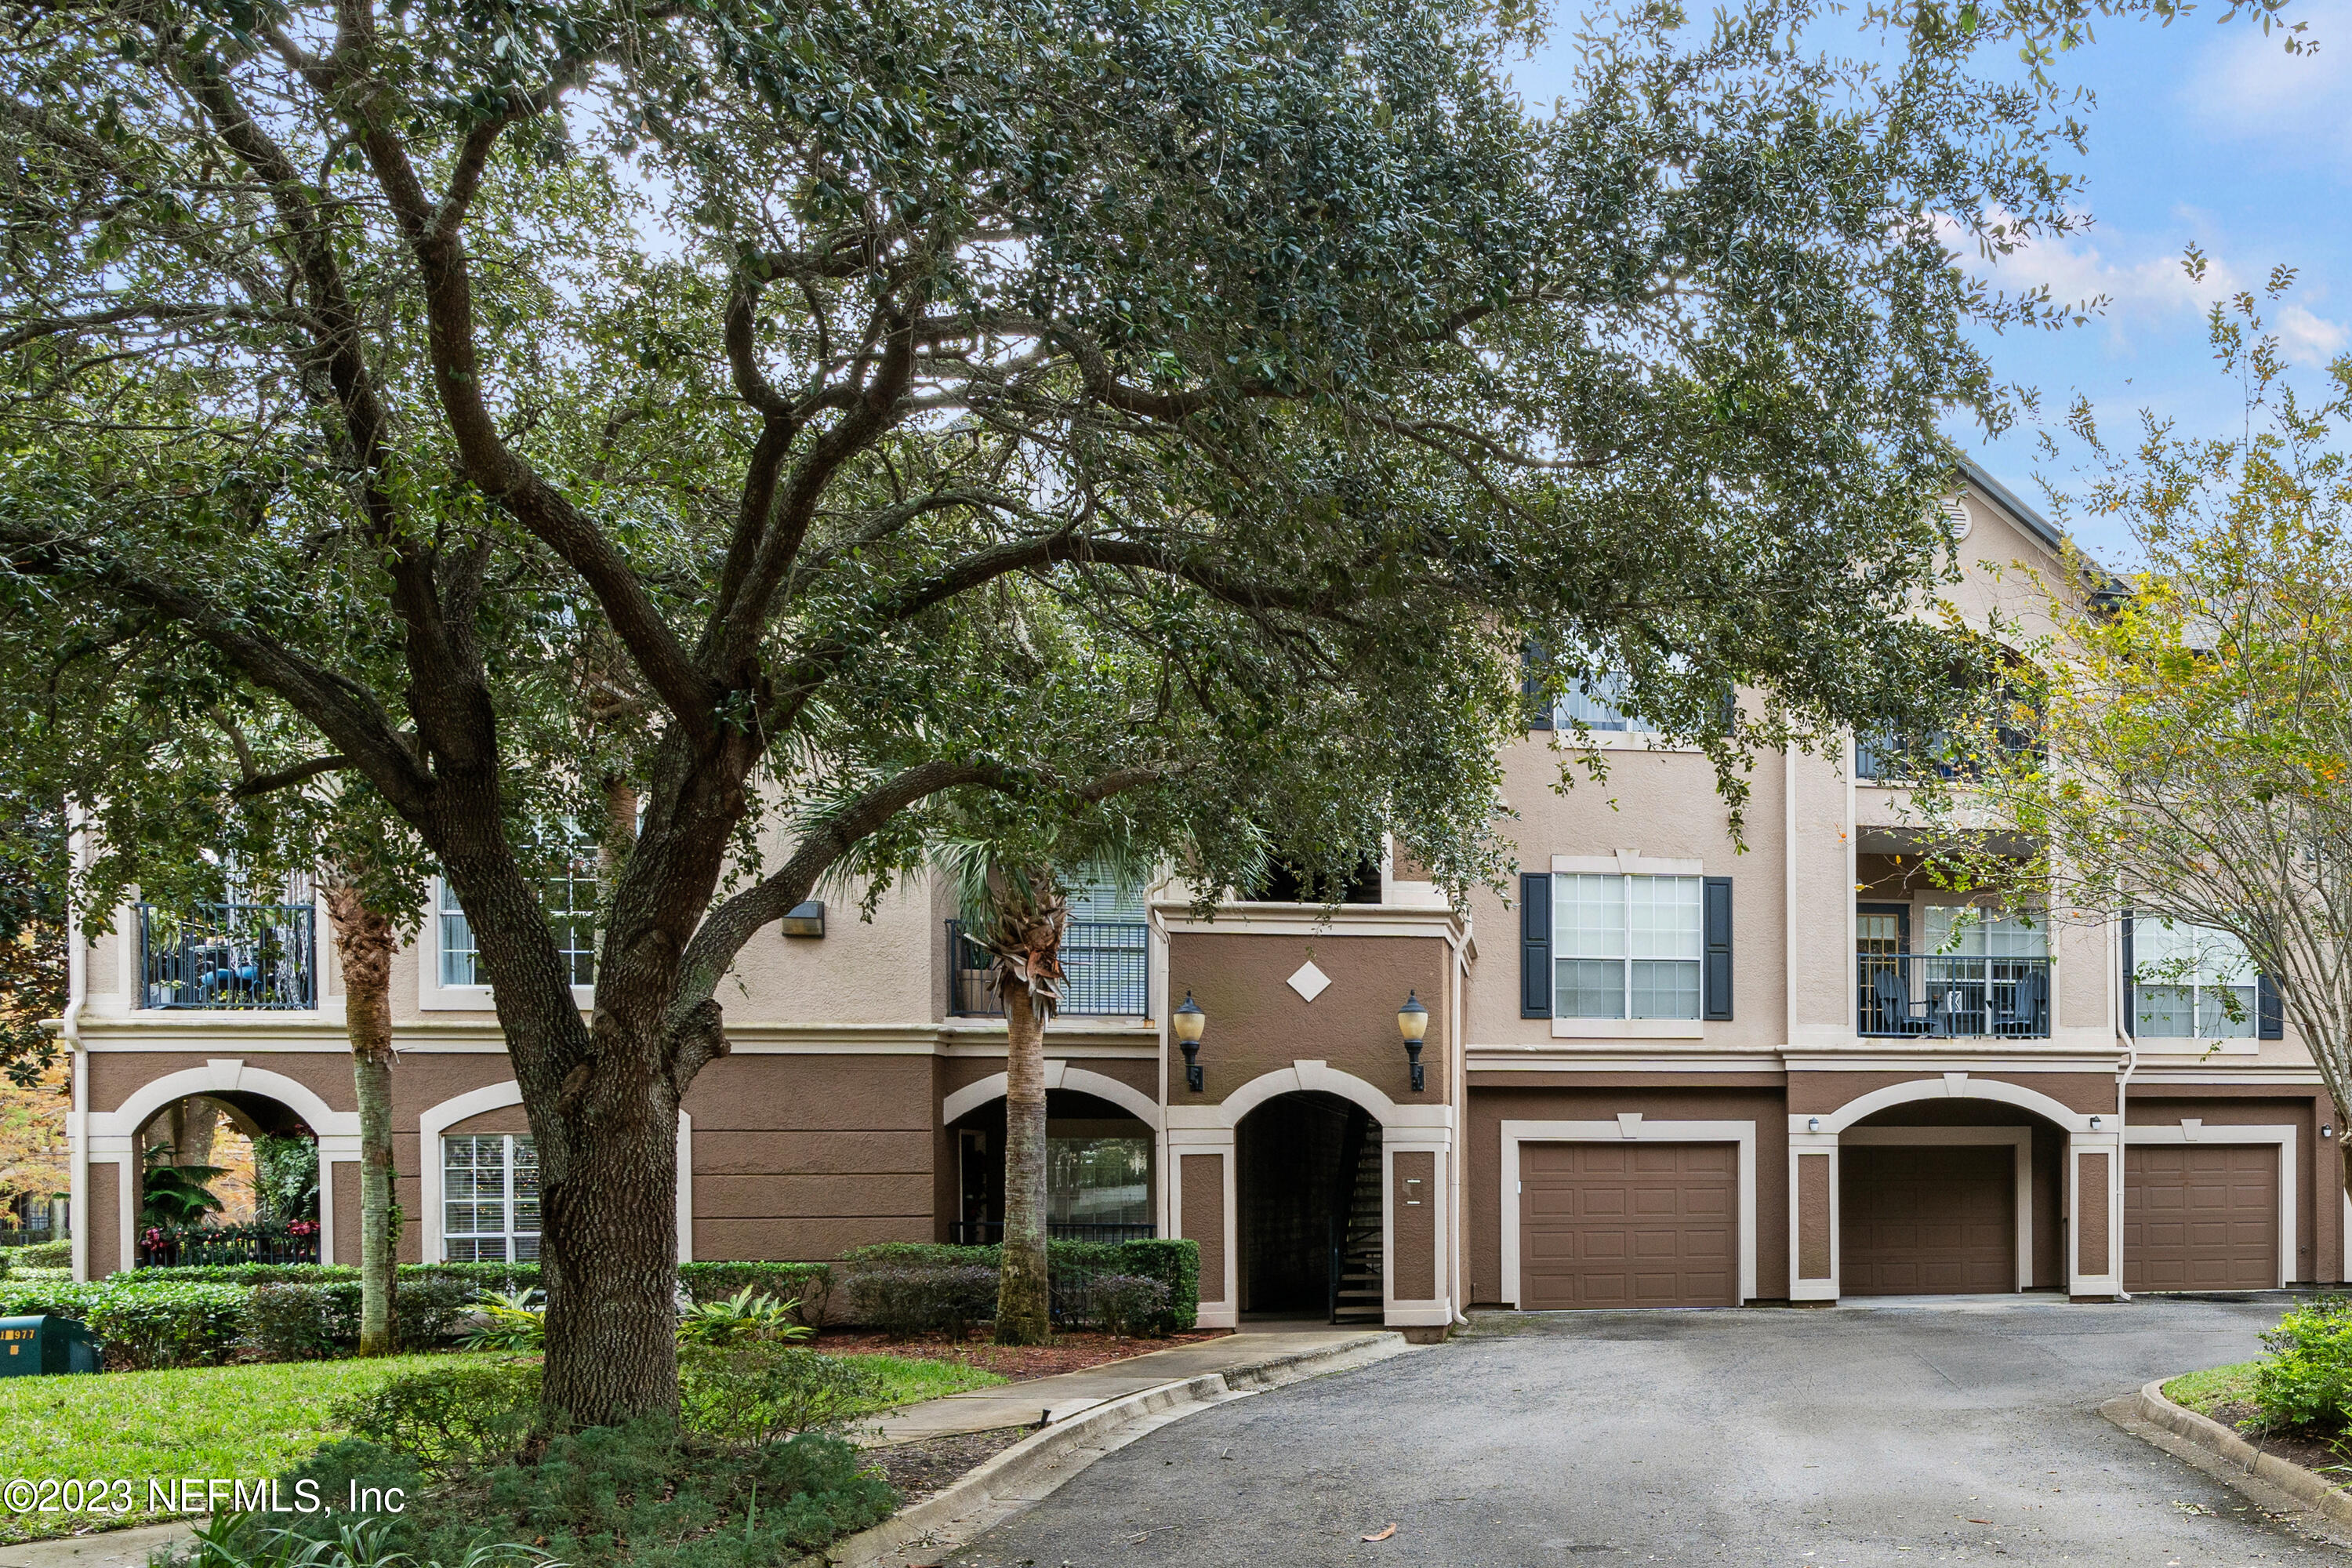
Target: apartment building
1672,1069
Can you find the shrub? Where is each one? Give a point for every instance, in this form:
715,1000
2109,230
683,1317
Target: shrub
46,1255
1124,1303
739,1318
905,1301
747,1395
165,1326
509,1322
811,1283
290,1322
449,1417
483,1276
241,1540
425,1312
2307,1381
1174,1263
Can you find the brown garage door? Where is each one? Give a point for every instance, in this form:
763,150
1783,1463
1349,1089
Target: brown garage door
2200,1216
1926,1220
1629,1224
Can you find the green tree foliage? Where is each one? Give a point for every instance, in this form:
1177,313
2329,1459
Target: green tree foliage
491,411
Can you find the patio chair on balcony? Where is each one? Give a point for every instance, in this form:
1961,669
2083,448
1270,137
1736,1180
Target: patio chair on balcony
1892,1010
2027,1016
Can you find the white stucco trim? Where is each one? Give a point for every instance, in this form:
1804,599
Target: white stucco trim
2078,1282
2019,1139
1638,1128
432,996
226,1076
1948,1086
2194,1130
1307,1077
438,1118
1059,1074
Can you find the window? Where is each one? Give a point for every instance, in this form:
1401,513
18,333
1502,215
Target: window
490,1199
1598,704
1983,934
1626,947
569,898
2191,982
1099,1181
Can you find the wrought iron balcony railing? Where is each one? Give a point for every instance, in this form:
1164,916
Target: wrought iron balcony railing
225,956
1941,995
1106,971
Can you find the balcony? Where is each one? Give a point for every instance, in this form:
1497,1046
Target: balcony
1106,971
228,957
1934,996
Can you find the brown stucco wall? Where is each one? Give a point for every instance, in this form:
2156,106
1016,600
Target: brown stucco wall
1819,1093
115,1075
1257,1024
347,1212
1812,1216
1203,1192
1413,1199
105,1220
1486,1209
2091,1213
802,1157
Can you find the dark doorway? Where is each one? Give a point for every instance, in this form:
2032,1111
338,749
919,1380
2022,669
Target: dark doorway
1099,1182
1307,1180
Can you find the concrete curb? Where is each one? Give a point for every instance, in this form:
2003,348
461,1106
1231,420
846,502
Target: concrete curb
2304,1486
1032,1468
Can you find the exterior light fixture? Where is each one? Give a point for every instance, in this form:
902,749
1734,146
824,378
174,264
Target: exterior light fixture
1413,1022
1813,1124
1188,1021
2095,1124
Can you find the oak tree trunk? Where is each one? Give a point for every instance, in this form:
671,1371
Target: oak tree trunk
364,940
1023,1305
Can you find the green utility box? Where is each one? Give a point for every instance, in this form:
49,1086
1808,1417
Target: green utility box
30,1347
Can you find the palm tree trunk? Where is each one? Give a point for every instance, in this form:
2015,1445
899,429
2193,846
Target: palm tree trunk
363,942
1024,1307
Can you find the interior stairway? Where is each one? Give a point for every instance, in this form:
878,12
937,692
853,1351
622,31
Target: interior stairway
1356,1233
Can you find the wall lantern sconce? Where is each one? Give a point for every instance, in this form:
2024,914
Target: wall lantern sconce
1189,1022
1413,1022
2095,1124
805,919
1813,1124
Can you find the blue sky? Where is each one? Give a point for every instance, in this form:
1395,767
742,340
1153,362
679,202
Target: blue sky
2202,133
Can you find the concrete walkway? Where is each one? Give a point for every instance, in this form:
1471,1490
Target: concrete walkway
1044,1400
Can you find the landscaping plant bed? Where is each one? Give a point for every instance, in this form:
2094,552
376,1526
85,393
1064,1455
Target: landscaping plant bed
1017,1363
2224,1394
929,1466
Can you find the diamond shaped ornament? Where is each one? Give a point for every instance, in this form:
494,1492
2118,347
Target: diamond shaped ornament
1310,981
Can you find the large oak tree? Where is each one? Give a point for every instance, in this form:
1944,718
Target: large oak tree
512,398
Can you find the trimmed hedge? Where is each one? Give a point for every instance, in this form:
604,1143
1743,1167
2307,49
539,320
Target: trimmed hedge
1174,1263
148,1321
809,1283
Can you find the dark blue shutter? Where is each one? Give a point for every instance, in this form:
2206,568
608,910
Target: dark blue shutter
1534,946
1716,1004
1536,698
2131,990
2270,1018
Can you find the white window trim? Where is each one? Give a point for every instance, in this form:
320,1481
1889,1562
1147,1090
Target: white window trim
432,996
436,1120
1627,864
507,1165
1629,1126
2195,1130
2249,1044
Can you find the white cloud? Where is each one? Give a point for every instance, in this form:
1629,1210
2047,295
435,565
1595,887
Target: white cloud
2309,339
2245,84
2147,290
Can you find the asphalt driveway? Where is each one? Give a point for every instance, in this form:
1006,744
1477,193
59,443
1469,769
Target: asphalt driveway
1807,1439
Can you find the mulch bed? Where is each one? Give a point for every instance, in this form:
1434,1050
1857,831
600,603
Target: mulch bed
2310,1451
1068,1353
921,1468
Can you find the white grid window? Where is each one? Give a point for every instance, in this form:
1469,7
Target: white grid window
2190,983
1598,704
490,1199
569,896
1626,947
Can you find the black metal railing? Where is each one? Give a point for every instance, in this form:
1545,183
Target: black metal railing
242,956
1886,758
988,1231
190,1246
1106,971
1951,996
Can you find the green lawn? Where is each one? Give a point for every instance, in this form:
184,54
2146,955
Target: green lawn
2206,1392
242,1422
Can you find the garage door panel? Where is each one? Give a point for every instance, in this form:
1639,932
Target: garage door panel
2200,1216
1627,1224
1927,1219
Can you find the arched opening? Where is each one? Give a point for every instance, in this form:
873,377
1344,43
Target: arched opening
228,1176
1101,1183
1307,1187
1951,1198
